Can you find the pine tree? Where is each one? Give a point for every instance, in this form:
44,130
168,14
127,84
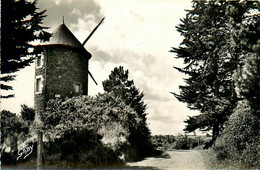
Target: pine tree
21,24
27,113
240,138
209,62
246,33
119,85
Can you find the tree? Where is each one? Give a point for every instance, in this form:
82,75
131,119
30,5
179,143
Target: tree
27,113
246,34
209,63
13,129
240,138
210,60
247,81
21,24
119,85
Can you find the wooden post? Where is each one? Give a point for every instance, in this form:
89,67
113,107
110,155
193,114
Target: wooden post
39,149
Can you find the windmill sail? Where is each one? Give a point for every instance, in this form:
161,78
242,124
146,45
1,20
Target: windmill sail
92,77
92,32
86,42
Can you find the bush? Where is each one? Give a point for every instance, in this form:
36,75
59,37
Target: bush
80,147
185,142
163,142
240,140
117,124
13,130
181,142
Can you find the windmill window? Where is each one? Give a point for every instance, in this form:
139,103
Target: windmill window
77,87
38,84
39,60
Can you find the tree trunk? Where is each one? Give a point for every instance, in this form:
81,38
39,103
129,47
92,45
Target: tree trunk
215,133
14,147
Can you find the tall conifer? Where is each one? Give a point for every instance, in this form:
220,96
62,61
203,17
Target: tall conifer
21,25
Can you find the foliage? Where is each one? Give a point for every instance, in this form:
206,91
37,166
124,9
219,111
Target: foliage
115,119
181,142
240,139
27,113
208,64
163,141
104,118
114,135
210,60
247,81
79,147
85,112
19,28
243,19
246,35
13,128
168,142
118,84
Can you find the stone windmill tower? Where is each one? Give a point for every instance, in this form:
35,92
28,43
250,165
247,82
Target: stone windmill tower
61,70
62,67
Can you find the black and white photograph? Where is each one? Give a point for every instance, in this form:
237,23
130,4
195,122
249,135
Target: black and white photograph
130,84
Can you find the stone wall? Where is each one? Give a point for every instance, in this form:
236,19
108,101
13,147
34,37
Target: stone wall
39,98
66,67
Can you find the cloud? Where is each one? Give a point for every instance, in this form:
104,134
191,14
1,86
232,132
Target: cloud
165,117
76,12
71,10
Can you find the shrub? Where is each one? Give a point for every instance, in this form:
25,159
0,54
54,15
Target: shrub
105,115
186,142
13,130
163,142
181,142
240,140
80,147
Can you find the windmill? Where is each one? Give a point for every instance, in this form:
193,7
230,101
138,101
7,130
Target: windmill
62,66
60,71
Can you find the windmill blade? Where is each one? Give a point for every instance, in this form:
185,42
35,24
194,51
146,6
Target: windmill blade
92,77
92,32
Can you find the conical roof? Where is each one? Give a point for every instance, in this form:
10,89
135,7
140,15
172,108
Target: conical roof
63,36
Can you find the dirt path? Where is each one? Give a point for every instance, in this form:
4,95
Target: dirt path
179,159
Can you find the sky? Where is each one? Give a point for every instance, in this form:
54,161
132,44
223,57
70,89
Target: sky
136,34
